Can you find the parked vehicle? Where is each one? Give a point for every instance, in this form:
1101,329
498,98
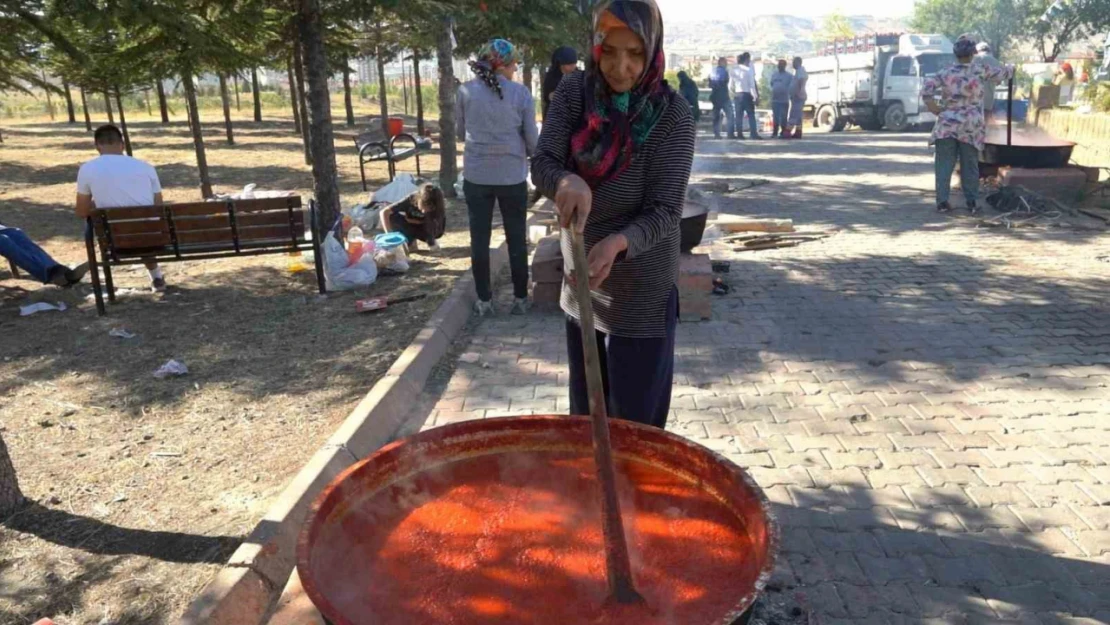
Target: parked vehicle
875,81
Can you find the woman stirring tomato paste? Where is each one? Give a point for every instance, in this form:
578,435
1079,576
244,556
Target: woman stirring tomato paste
615,155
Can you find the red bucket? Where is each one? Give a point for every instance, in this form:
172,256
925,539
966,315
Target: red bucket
396,126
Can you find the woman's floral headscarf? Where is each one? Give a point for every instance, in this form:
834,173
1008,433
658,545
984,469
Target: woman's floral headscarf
494,55
615,125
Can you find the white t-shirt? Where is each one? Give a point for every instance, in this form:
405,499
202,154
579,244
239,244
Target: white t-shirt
743,80
115,180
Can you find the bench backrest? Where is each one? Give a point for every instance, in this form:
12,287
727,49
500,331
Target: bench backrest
195,226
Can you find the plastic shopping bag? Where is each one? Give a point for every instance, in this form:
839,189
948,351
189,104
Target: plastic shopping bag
340,276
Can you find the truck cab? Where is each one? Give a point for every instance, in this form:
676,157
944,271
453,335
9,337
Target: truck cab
877,83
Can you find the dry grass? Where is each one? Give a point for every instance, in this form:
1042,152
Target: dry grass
144,486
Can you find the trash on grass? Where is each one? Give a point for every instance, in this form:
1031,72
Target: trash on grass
341,277
30,309
390,253
171,368
401,187
121,333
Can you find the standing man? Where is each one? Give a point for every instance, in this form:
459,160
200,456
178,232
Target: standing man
780,100
747,95
984,55
797,97
115,180
719,97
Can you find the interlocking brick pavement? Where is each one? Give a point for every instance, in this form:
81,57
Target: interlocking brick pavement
926,404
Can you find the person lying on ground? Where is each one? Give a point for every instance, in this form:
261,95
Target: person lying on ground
115,180
18,248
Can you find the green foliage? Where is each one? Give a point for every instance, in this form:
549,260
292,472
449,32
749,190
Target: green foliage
998,22
835,26
1055,27
1098,95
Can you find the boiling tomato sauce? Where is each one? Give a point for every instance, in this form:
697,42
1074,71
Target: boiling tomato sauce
515,538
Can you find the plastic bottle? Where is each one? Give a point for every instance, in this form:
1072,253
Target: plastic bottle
355,243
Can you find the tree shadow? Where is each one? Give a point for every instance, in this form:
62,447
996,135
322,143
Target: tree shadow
92,536
866,558
857,182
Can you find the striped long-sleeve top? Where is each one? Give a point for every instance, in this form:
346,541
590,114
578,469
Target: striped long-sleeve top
644,203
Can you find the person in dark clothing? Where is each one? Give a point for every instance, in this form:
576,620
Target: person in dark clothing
615,155
721,99
689,90
563,61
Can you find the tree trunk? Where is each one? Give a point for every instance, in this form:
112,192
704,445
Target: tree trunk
49,100
419,94
123,124
108,106
347,92
293,97
162,108
149,110
11,498
85,108
255,94
384,104
227,109
404,84
198,138
526,77
238,104
69,102
298,72
448,168
324,175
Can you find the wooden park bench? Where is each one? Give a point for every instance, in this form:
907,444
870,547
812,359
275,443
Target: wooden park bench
170,233
372,148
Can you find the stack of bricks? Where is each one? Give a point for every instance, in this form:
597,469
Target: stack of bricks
547,273
695,284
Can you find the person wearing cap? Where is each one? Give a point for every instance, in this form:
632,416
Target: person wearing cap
984,55
955,96
563,61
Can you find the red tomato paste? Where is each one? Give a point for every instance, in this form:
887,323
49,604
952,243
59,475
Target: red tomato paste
515,538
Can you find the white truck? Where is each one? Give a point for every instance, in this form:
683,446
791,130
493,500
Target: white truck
875,81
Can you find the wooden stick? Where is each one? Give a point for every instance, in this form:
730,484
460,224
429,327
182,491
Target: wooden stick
618,567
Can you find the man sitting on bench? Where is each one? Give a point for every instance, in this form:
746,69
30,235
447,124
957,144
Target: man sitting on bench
21,251
115,180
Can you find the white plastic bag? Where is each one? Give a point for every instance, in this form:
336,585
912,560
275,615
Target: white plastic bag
338,275
401,187
392,259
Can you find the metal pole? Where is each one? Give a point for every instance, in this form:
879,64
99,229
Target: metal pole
1010,112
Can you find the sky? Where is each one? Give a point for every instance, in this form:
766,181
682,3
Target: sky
697,10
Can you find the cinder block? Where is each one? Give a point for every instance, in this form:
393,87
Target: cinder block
547,262
238,596
695,282
294,607
1062,183
545,295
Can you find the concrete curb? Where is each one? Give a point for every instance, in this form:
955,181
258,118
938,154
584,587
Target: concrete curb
244,591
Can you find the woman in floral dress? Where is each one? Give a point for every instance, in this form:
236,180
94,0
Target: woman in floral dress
955,96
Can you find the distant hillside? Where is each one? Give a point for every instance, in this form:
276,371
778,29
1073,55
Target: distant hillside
778,34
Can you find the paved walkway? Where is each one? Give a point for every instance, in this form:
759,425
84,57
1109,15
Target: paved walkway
925,403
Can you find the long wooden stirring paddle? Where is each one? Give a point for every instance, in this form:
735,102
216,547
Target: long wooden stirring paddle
618,567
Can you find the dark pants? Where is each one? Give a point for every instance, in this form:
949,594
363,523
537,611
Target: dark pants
948,152
745,103
513,200
638,373
779,111
21,250
725,109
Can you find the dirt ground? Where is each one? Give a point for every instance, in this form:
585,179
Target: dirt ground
142,487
